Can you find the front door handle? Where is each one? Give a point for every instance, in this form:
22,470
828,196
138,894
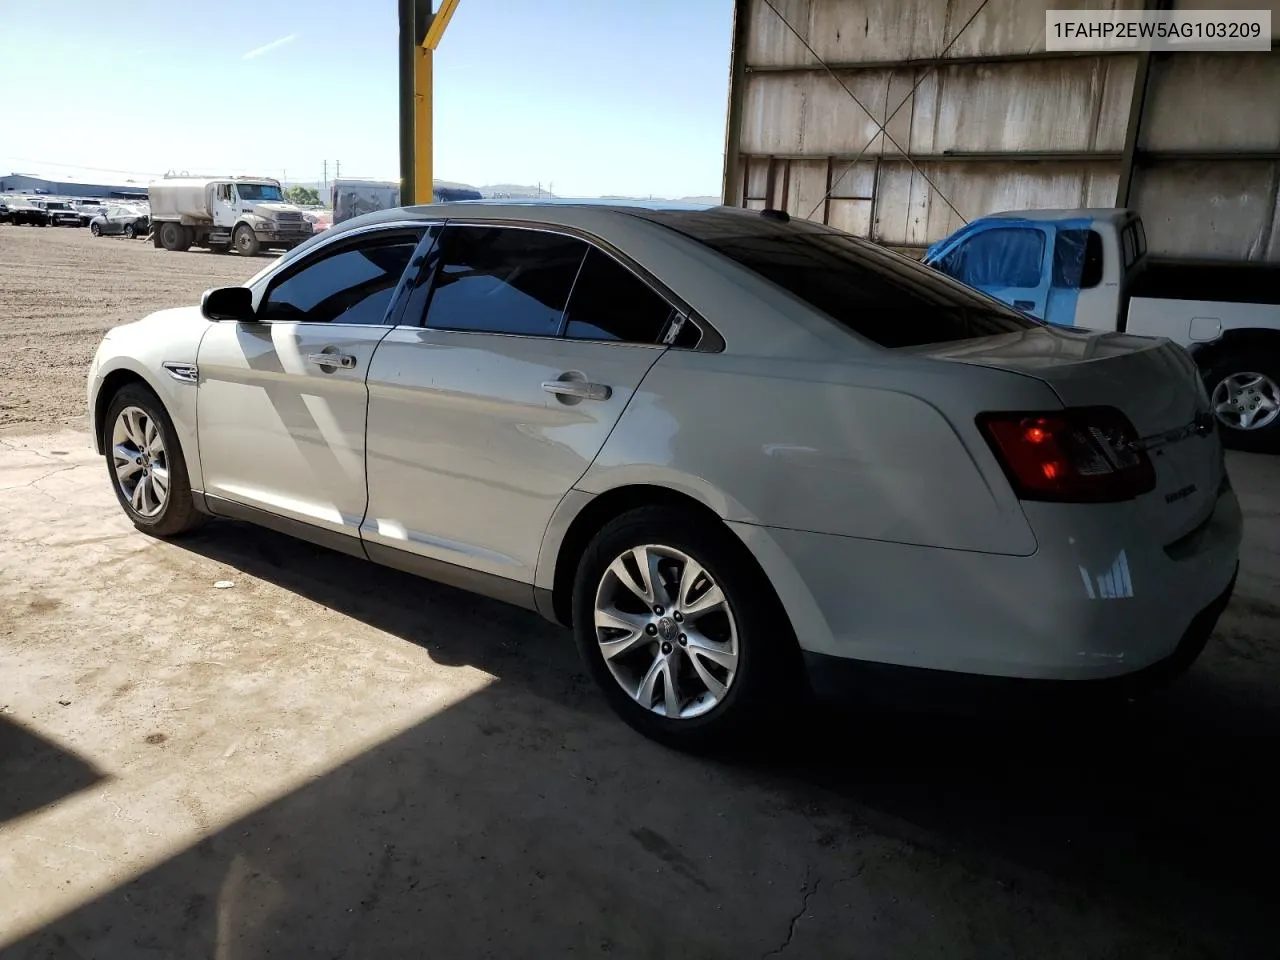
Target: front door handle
1026,306
577,389
331,360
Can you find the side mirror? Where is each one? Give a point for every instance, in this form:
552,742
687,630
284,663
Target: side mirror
228,303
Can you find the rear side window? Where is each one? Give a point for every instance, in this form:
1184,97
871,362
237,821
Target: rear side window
1077,259
886,298
609,302
354,285
503,280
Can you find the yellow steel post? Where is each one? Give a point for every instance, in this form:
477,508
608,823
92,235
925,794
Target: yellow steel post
422,125
422,89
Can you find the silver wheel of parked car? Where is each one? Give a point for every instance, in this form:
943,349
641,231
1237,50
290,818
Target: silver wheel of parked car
1247,401
129,231
95,229
140,461
666,631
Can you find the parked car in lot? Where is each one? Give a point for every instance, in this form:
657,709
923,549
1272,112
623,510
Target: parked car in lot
121,220
61,213
731,450
1090,268
88,209
24,211
5,216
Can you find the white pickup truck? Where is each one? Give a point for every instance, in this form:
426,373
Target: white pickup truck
1090,269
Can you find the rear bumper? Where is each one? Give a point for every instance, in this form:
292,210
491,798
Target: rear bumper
1098,599
860,682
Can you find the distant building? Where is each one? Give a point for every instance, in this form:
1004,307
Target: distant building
66,187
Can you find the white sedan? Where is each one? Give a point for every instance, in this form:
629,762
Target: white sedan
731,450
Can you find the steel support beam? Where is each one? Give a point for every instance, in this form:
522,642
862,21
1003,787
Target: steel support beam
420,33
1137,104
982,60
406,47
733,168
1025,156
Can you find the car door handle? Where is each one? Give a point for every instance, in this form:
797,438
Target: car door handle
331,360
577,389
1025,305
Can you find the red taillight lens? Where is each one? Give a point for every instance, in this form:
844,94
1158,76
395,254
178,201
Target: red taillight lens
1082,455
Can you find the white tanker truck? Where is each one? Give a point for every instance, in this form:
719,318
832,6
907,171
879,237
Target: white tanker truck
248,213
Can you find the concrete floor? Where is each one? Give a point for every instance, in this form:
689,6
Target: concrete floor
327,759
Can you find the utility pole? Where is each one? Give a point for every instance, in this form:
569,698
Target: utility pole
337,172
326,177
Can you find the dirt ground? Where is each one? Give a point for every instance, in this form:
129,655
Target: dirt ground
237,745
61,288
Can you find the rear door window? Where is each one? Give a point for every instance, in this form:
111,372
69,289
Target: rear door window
882,296
503,280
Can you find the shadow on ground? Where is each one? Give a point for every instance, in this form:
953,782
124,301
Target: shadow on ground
35,772
525,821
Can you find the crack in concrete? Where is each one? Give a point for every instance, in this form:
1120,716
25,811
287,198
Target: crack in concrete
809,892
41,479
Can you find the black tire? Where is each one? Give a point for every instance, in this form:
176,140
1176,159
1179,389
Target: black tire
246,241
1254,360
95,229
174,237
178,514
129,231
767,682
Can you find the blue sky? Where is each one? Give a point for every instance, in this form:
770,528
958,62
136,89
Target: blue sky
595,96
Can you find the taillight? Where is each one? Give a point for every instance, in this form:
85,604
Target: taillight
1079,455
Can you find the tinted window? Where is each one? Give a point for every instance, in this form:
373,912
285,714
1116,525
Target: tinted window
1003,257
503,280
880,295
354,285
609,302
1077,259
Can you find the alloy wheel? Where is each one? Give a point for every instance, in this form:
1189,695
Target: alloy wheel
666,631
1246,401
140,461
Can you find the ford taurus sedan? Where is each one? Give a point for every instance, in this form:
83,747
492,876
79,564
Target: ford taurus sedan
731,450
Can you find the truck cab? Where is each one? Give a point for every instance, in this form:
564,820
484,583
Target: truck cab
1090,269
1066,267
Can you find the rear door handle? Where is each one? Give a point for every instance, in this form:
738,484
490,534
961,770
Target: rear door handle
577,389
331,360
1025,305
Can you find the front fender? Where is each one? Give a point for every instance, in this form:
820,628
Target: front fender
139,351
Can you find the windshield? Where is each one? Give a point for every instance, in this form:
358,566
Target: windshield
887,298
255,192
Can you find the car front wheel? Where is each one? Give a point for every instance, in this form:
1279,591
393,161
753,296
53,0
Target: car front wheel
147,468
681,630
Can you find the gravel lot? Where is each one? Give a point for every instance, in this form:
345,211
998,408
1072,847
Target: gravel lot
61,288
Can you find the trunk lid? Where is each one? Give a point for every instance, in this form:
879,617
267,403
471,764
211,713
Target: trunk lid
1154,382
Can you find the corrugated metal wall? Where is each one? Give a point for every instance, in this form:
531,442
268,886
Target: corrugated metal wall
1191,139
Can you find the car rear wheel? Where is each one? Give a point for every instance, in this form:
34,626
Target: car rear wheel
1244,391
95,229
148,472
681,630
